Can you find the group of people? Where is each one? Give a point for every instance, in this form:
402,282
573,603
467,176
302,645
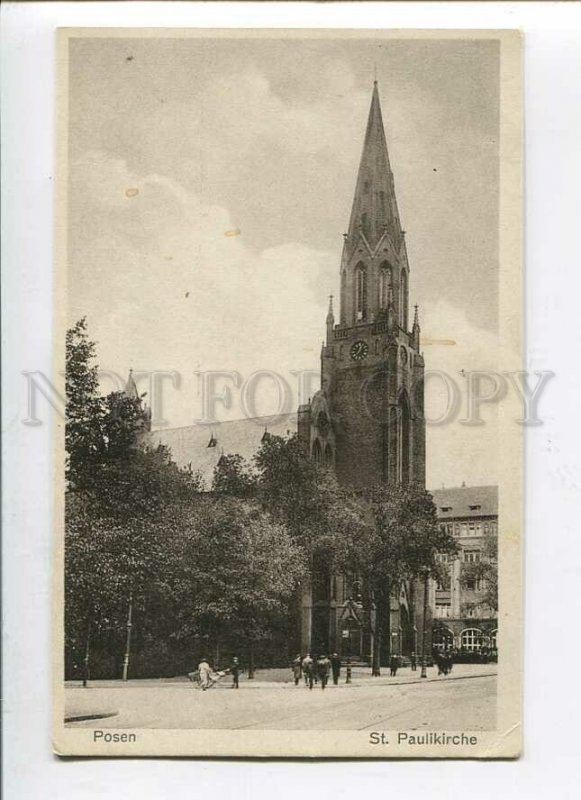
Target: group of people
313,670
444,660
316,670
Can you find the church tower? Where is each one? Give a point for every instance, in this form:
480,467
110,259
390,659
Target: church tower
368,419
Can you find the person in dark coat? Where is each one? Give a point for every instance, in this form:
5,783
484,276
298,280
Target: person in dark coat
393,665
413,662
335,668
323,667
235,672
297,668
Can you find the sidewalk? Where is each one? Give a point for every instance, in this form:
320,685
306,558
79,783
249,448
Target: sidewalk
84,703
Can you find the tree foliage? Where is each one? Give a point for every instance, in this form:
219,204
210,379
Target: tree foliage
233,476
84,407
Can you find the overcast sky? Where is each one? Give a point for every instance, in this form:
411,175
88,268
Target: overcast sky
211,182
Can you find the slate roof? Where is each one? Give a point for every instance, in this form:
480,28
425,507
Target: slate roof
483,499
189,445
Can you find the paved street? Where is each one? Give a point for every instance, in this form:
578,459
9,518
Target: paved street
465,700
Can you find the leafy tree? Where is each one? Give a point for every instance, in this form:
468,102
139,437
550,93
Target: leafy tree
234,476
122,500
84,407
234,571
400,545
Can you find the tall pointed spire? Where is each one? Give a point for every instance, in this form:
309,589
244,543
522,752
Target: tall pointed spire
131,386
374,208
330,320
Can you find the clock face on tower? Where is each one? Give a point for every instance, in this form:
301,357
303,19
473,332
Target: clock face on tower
359,350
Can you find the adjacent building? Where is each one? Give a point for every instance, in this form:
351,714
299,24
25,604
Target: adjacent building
463,603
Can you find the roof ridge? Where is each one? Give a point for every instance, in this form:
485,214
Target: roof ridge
217,423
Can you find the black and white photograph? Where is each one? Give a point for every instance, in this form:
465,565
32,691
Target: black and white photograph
288,496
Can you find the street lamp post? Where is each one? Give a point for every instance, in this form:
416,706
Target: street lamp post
128,637
424,628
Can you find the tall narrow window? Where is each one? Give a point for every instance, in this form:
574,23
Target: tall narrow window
403,300
317,452
360,293
403,441
384,284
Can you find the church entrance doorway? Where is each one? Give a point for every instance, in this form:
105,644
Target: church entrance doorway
351,639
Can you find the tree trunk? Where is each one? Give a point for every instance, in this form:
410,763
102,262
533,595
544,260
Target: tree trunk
385,631
250,660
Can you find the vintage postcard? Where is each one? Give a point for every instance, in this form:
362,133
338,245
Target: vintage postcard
288,475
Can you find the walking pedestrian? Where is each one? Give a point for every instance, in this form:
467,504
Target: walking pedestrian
235,672
309,670
323,666
335,668
393,665
297,668
413,661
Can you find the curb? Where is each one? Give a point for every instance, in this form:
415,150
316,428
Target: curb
94,715
370,682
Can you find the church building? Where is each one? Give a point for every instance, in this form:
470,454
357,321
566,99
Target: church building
367,420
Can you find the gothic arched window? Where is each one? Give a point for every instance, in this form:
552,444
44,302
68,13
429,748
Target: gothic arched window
317,452
384,284
403,440
360,292
403,300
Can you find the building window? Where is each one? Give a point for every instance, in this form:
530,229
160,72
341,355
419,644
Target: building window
486,528
403,440
360,293
471,639
472,556
493,637
471,527
449,528
478,528
444,509
384,284
317,452
443,597
457,528
403,300
464,529
474,508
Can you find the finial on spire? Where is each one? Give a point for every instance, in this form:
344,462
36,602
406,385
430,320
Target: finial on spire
330,304
416,315
375,73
